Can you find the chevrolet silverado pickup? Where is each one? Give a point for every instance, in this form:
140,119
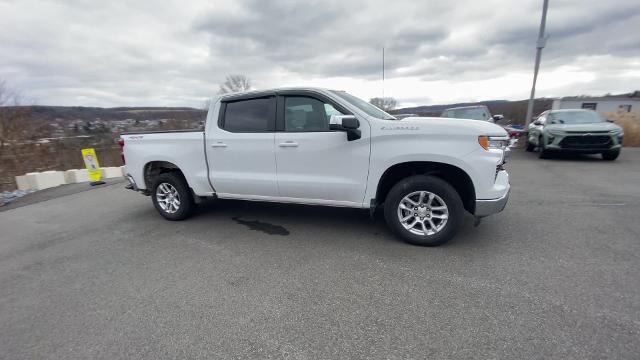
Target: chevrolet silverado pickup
325,147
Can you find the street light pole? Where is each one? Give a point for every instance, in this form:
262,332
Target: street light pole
542,41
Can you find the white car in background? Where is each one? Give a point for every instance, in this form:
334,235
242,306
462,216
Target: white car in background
476,112
481,112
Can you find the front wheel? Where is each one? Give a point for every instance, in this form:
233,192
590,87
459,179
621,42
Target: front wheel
172,197
530,146
543,153
610,155
424,210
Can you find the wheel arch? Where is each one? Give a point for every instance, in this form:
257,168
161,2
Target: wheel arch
455,176
154,168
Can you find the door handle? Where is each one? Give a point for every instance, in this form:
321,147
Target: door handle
288,144
219,144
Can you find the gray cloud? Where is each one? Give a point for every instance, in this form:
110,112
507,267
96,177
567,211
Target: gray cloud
175,53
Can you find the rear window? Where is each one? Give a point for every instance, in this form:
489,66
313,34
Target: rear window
252,115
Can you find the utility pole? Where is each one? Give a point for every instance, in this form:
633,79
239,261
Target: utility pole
542,41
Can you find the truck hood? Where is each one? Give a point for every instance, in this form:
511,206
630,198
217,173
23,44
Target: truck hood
594,127
451,126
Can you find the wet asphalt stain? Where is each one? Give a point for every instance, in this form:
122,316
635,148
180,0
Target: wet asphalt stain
256,225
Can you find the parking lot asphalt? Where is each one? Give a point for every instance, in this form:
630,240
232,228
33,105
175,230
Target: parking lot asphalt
100,275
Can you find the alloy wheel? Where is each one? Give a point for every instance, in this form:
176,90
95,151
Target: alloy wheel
423,213
168,198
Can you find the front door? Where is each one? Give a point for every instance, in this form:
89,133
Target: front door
315,164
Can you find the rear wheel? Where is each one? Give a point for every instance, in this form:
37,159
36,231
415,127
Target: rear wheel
424,210
172,197
610,155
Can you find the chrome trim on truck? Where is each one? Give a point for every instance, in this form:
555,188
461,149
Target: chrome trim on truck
493,206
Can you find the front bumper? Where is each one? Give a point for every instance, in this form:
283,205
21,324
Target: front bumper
492,206
593,150
582,143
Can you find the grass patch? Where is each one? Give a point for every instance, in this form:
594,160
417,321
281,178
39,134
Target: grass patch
630,122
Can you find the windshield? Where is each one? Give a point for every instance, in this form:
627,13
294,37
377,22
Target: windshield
574,117
477,113
364,106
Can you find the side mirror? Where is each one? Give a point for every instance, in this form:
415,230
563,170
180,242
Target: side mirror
609,120
497,118
537,122
347,123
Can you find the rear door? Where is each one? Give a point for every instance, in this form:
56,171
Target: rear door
314,163
240,148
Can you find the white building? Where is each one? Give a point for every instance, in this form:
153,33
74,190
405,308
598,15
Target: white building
602,104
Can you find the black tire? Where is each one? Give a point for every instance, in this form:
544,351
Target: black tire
530,146
184,196
610,155
542,152
435,186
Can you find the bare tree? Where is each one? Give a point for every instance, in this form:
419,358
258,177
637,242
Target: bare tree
386,103
13,128
11,116
17,126
235,83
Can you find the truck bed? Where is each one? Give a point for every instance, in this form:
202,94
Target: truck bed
182,148
161,131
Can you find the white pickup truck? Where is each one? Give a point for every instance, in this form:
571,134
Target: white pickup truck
324,147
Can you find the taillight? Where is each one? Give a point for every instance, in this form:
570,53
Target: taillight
121,143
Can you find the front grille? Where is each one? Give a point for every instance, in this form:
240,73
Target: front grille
586,142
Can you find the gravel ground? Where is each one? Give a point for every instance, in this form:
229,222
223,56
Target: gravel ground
99,274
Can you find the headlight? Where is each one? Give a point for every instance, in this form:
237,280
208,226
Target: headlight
493,142
618,132
556,132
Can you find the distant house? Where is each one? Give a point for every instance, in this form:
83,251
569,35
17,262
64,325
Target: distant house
602,104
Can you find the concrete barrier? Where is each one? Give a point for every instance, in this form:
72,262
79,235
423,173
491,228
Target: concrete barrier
48,179
45,180
76,176
111,172
22,182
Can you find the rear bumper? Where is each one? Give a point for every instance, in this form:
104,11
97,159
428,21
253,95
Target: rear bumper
492,206
132,183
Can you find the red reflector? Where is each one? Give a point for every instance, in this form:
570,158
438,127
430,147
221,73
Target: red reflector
121,143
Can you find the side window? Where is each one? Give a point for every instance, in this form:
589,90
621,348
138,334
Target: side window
251,115
302,113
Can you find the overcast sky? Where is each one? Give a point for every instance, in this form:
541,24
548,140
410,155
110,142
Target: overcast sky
177,52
